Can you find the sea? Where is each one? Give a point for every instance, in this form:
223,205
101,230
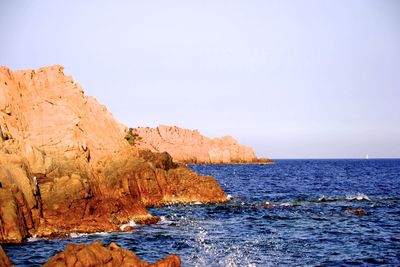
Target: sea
290,213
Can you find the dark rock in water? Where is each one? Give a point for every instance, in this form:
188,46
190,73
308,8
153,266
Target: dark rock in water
4,260
96,254
358,211
323,199
327,199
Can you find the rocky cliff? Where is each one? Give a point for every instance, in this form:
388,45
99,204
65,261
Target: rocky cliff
189,146
66,165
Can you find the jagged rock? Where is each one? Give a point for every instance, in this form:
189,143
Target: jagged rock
66,166
189,146
96,254
50,111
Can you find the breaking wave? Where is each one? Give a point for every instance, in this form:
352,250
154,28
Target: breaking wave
358,197
131,223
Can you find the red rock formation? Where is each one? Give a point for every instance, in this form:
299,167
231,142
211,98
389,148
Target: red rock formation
96,254
65,165
4,260
189,146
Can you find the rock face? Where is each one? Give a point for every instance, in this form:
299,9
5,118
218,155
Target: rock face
96,254
4,260
66,165
189,146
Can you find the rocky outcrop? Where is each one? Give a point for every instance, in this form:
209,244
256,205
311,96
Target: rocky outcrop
96,254
66,166
4,260
189,146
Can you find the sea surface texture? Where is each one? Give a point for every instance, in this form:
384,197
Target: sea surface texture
309,222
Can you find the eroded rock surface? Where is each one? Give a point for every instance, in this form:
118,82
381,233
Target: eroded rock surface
96,254
66,166
4,260
189,146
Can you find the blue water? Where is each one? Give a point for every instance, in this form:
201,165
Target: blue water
297,230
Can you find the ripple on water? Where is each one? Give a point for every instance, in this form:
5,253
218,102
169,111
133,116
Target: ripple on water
299,228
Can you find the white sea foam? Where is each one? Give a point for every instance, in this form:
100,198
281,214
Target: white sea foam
101,233
210,254
33,238
285,204
358,197
77,235
164,220
131,223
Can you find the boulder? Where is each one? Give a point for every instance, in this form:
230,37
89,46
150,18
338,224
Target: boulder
96,254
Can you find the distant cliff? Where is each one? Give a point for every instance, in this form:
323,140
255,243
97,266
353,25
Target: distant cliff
189,146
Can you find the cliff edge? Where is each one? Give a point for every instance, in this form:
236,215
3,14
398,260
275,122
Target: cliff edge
189,146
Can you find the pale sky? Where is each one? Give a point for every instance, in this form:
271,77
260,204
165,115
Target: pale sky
292,79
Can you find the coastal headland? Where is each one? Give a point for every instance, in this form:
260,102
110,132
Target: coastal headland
66,165
191,147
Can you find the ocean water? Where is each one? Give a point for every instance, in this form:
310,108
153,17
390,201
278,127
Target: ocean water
298,229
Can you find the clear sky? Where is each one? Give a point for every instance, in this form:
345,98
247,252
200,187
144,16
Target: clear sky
292,79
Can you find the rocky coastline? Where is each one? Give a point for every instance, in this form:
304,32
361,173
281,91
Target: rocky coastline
66,166
191,147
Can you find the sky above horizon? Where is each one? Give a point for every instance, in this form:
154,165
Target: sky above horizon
292,79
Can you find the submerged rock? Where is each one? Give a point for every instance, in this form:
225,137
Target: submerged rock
267,204
96,254
4,260
358,211
66,166
189,146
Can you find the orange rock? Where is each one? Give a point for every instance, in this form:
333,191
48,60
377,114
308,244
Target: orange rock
67,166
96,254
15,203
48,110
4,260
189,146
